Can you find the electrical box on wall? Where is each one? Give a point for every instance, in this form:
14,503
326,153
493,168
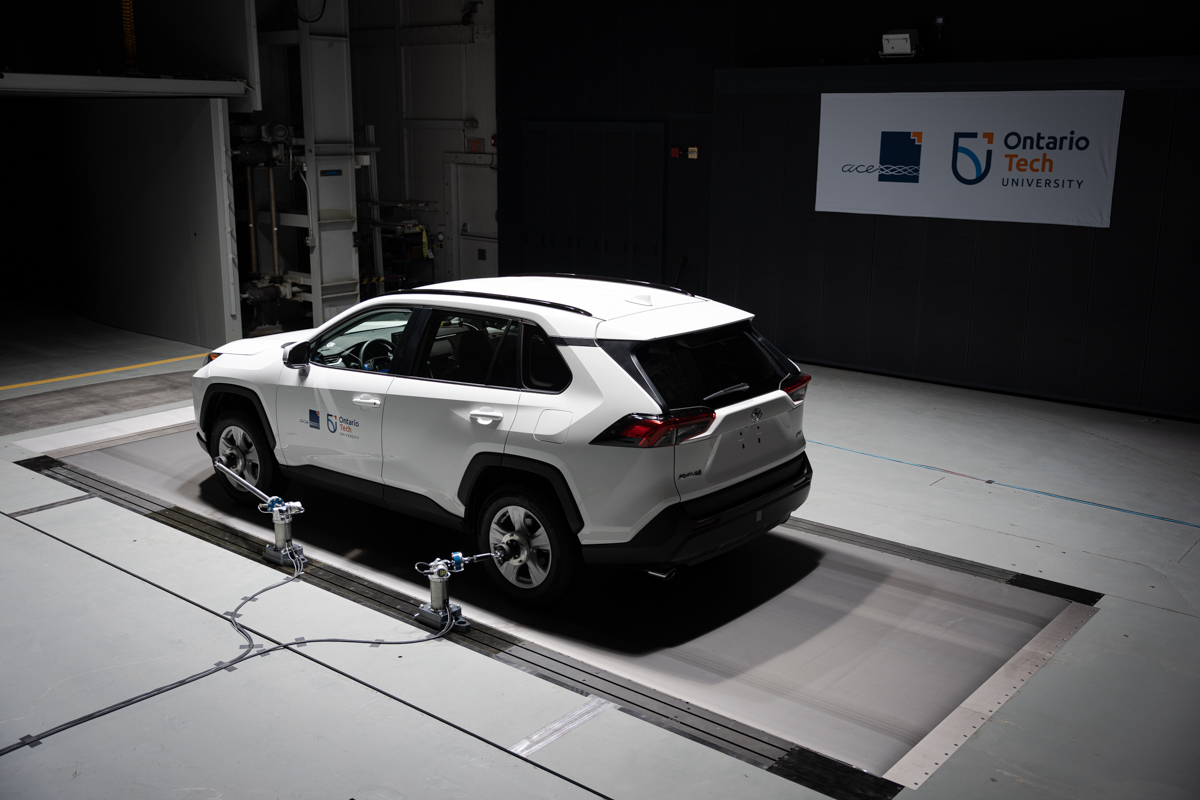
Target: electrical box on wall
899,44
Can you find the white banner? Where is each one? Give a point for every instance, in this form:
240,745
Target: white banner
1008,156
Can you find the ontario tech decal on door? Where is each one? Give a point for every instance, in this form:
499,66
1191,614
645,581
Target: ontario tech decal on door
342,426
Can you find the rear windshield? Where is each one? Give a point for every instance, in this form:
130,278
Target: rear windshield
713,368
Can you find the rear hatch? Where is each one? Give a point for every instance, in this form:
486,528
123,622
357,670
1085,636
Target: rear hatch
757,426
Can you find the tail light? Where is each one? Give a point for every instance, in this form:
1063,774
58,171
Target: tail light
645,430
796,386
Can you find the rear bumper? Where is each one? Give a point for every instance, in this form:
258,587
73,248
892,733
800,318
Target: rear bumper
697,530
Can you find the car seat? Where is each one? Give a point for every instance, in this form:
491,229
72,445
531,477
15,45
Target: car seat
473,356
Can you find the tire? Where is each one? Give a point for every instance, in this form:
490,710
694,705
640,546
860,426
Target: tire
548,560
236,433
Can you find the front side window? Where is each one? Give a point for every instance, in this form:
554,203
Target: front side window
366,343
466,348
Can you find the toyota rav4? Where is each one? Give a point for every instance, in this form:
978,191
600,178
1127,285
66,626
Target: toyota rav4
560,420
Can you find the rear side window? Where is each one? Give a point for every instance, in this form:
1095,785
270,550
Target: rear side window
463,348
506,366
542,367
713,368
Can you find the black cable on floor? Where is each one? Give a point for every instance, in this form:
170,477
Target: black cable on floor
298,572
32,740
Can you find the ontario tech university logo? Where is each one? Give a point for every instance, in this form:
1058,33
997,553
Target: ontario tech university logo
980,171
899,158
342,426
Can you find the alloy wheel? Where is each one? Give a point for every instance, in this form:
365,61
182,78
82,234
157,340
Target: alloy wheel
519,529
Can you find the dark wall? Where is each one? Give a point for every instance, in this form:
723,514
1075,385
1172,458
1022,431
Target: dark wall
589,102
191,40
654,61
972,303
1096,315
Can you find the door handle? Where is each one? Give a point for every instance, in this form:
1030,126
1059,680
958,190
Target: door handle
486,416
366,401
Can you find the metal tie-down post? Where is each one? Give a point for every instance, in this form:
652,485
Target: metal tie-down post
284,552
434,613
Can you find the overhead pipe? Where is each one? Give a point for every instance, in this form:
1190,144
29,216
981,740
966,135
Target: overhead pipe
129,35
274,222
253,227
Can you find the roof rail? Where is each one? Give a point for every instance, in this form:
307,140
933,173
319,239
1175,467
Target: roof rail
489,296
662,286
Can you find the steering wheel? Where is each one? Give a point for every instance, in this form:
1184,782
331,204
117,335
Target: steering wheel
375,355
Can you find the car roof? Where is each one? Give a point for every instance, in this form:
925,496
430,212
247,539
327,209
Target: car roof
602,299
580,306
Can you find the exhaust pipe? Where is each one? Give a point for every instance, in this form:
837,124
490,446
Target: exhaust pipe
662,576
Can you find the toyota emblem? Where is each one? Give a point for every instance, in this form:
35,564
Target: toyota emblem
756,414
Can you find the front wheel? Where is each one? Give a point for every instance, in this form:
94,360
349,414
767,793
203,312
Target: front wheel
544,554
241,441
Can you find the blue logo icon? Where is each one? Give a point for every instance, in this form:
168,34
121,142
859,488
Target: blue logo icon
981,170
314,419
331,422
900,156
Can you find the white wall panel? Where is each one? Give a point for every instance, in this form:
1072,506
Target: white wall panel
480,90
153,254
427,147
435,83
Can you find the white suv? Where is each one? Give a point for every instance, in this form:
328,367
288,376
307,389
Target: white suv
561,420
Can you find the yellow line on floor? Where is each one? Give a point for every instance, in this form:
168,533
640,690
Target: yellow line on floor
102,371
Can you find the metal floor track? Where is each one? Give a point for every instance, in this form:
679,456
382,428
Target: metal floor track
763,750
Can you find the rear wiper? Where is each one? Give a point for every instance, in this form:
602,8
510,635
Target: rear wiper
737,387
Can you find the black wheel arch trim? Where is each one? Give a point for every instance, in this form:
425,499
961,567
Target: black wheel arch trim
484,461
214,389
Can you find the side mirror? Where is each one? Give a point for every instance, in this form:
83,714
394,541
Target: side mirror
296,357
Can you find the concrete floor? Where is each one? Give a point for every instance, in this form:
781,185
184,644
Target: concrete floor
853,653
327,721
1112,715
57,345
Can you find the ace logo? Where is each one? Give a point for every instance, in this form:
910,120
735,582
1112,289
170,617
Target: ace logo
900,156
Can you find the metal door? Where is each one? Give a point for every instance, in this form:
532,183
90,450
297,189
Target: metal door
474,214
333,419
460,402
331,414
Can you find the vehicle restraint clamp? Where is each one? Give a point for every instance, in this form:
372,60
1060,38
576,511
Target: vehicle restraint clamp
284,552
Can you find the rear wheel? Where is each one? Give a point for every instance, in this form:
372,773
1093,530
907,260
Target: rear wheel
544,554
241,442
